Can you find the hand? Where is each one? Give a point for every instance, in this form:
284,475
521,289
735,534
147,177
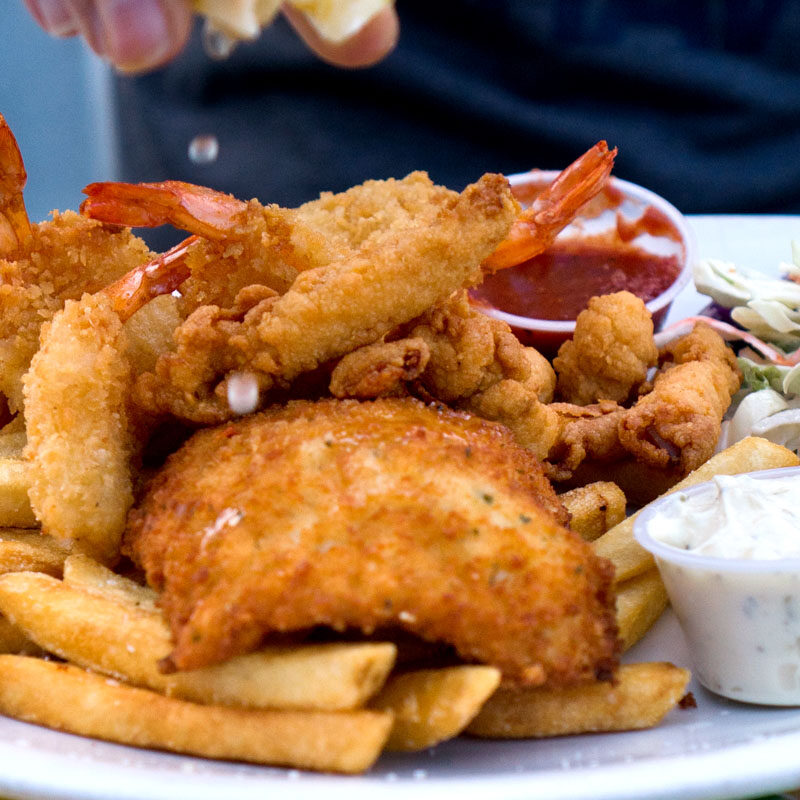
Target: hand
139,35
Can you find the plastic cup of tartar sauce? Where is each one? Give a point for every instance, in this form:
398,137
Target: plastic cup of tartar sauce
729,555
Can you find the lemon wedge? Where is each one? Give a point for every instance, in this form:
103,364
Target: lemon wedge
334,20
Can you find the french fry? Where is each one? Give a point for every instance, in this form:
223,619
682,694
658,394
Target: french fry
639,698
82,572
12,443
22,549
433,705
750,454
126,642
594,508
67,698
13,640
640,602
15,508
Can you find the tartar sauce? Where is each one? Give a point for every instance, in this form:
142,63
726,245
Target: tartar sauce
743,518
728,552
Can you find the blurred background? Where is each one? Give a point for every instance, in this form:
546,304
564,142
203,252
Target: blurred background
702,100
54,95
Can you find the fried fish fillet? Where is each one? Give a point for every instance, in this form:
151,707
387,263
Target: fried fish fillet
374,515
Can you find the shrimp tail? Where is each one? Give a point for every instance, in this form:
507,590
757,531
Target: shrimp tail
196,209
538,225
15,227
163,275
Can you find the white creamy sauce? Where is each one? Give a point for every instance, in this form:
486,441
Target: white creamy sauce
740,611
743,518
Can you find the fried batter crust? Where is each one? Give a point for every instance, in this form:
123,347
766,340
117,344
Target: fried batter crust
371,515
610,353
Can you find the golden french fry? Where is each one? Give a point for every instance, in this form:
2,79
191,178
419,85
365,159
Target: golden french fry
25,550
12,443
640,602
15,507
67,698
433,705
639,698
13,640
126,642
750,454
83,572
594,508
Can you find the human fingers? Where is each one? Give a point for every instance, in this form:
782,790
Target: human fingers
134,35
369,45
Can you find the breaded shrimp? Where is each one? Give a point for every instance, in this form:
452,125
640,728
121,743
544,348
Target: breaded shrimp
79,434
331,311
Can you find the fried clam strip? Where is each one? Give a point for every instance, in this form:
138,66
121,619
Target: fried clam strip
458,355
68,698
368,515
379,370
678,423
666,433
44,264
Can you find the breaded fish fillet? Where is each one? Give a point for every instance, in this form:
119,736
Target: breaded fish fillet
373,515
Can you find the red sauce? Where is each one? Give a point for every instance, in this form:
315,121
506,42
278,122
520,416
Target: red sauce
558,284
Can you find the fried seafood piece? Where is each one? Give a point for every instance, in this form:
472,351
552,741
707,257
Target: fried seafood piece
373,515
379,370
703,343
477,364
585,432
79,435
678,423
44,264
330,311
364,214
610,352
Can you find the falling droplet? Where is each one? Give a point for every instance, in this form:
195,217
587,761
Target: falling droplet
203,149
217,44
243,392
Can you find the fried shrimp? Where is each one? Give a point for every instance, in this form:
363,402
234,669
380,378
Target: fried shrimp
331,311
44,264
610,352
359,264
372,515
79,435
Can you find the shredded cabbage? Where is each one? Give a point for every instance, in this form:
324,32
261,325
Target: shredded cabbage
769,405
767,306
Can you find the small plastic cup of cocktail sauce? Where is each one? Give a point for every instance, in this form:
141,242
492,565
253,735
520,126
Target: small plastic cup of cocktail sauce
625,238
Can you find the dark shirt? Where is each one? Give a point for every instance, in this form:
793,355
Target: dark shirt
702,98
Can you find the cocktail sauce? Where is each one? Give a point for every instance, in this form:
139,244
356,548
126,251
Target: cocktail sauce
558,284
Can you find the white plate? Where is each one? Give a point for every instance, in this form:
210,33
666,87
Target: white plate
718,750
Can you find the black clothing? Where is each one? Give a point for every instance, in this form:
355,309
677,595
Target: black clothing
702,98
